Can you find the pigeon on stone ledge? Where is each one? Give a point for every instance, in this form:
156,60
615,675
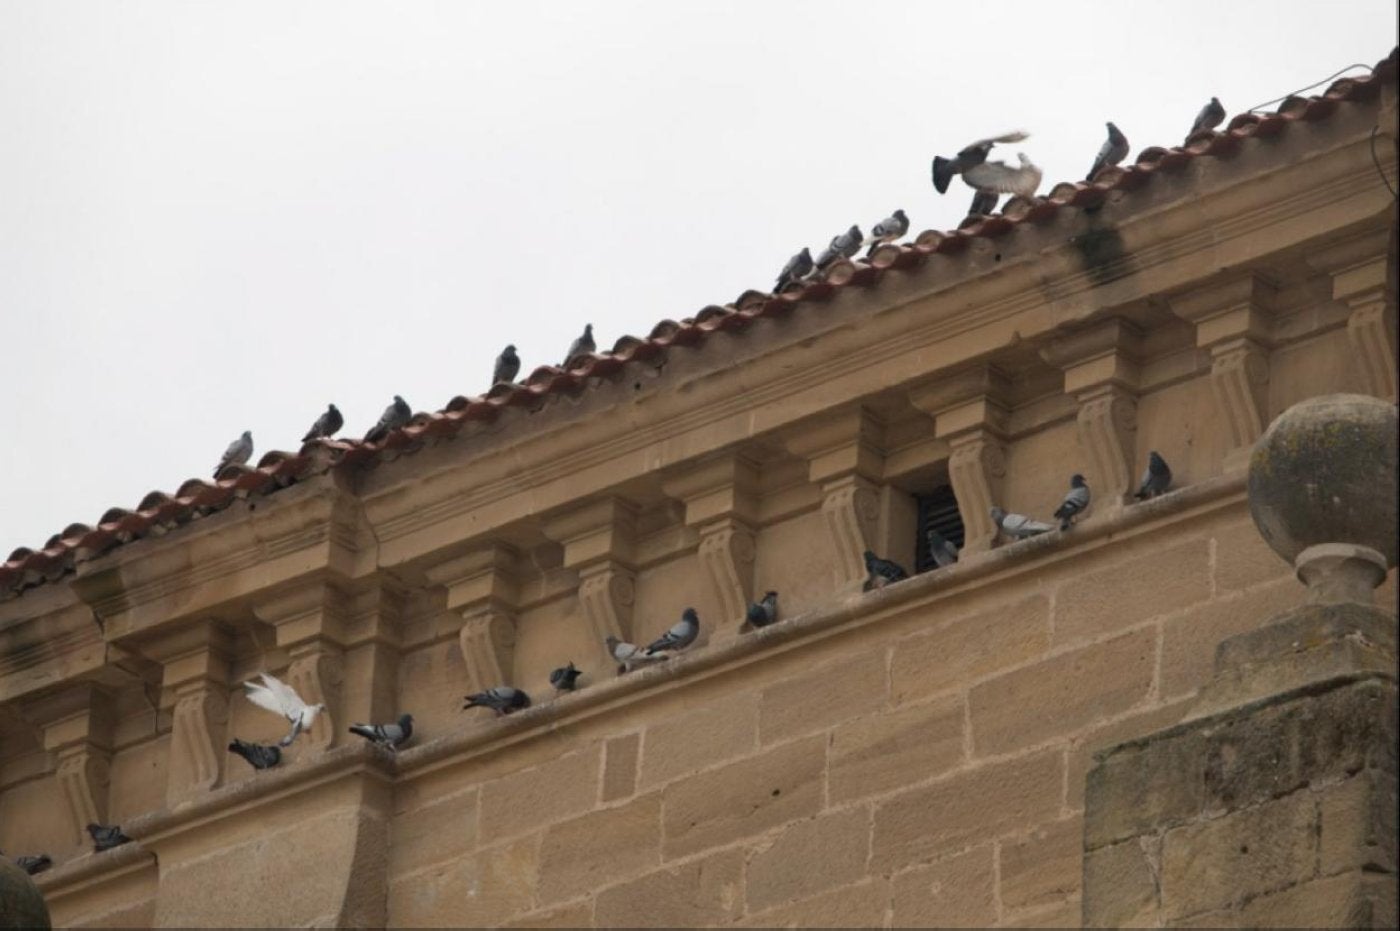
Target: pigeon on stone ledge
395,416
881,572
681,635
276,696
503,699
764,612
258,756
238,452
1019,526
1156,479
105,838
326,425
564,678
941,549
628,655
33,865
392,736
1074,503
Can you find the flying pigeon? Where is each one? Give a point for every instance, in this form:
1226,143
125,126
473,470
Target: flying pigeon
942,550
881,572
507,367
105,838
276,696
33,865
392,736
1156,479
257,755
797,268
565,677
1000,178
325,425
238,452
503,699
628,655
843,245
1019,526
582,346
970,157
765,612
394,416
889,229
681,635
1113,151
1211,116
1075,501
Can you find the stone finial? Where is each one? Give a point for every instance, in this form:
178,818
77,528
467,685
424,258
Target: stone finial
1322,491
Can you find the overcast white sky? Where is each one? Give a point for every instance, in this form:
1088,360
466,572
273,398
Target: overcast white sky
219,217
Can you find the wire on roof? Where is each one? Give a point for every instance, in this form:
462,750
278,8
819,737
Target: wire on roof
1309,87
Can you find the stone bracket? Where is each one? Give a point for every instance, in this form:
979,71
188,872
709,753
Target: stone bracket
483,590
851,508
976,467
311,624
1240,379
1371,326
727,552
76,724
721,500
599,542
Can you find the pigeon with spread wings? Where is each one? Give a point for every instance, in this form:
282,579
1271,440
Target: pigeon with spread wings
970,157
280,698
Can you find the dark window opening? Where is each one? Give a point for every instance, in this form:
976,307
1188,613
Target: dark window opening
938,510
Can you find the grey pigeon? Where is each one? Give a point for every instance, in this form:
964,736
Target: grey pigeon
881,572
681,635
887,230
325,425
1156,479
983,203
105,838
507,367
1211,116
843,245
583,346
395,416
970,157
503,699
1019,526
565,678
280,698
392,736
764,612
942,550
1075,501
1113,151
34,865
628,655
797,268
258,756
238,452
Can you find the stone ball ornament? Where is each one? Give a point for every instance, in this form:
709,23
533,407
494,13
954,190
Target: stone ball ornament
21,904
1322,491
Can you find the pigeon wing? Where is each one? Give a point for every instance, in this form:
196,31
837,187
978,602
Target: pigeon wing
263,698
1016,135
1001,178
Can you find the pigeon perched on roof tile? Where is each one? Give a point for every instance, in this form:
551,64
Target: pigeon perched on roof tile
1113,151
681,635
503,699
395,416
33,865
105,838
276,696
843,245
583,346
797,268
881,572
941,549
507,367
890,228
1211,116
1019,526
971,156
392,736
326,425
565,677
238,452
258,756
763,612
1075,501
628,655
1156,479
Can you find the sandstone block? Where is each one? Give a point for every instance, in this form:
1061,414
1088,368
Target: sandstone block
1120,884
1358,823
1350,900
701,892
1189,641
1138,788
620,756
859,906
492,886
1123,594
956,892
1064,914
600,848
1135,724
889,750
699,738
575,915
528,799
808,857
1043,868
963,650
1243,559
443,828
817,699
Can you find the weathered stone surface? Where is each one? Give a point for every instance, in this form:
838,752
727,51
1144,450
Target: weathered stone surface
859,906
1122,594
1044,867
1122,884
1190,639
1243,560
829,850
495,884
955,892
600,848
818,698
1351,900
1096,739
444,828
701,737
1135,788
1064,914
1358,826
525,800
966,649
21,903
620,763
886,751
701,892
574,915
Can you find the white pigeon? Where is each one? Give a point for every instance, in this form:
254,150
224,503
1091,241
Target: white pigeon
629,656
1001,178
279,697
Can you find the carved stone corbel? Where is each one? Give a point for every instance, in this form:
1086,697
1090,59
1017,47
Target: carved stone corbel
599,540
483,589
721,500
310,621
1371,325
77,729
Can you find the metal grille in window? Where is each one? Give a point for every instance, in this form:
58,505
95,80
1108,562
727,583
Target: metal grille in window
938,510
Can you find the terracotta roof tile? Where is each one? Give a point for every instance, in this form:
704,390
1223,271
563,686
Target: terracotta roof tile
159,512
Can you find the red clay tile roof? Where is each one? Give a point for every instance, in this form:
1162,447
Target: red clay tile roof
158,512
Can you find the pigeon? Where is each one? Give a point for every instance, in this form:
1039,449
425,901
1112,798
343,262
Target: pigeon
278,697
942,550
1211,116
843,245
1156,479
503,699
881,572
889,229
1000,178
628,655
258,756
1019,526
507,367
983,203
582,346
394,416
1113,151
1075,501
392,736
762,613
325,425
33,865
105,838
970,157
797,268
564,678
238,452
681,635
